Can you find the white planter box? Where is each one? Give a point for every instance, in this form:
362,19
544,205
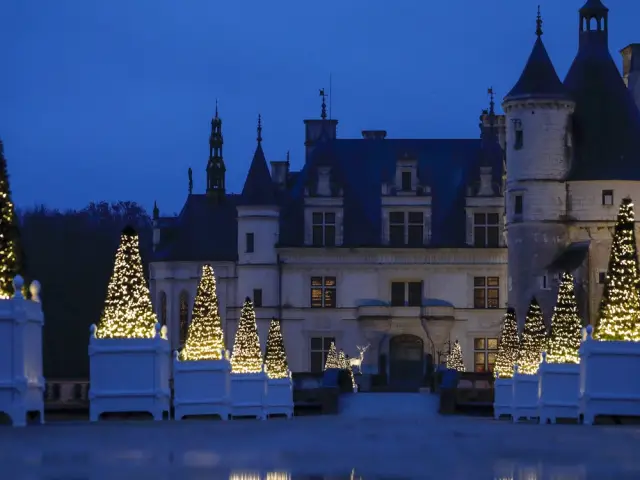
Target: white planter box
201,387
558,388
129,375
608,383
21,382
279,397
502,397
248,393
525,396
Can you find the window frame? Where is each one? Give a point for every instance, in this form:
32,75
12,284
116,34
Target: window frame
323,351
404,176
327,224
257,297
484,228
326,285
607,198
518,204
482,348
412,230
407,297
488,287
249,242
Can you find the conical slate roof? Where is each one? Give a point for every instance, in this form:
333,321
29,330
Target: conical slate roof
258,187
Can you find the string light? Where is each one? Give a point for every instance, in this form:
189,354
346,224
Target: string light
247,356
275,360
565,335
533,340
128,312
508,347
454,359
332,358
205,338
344,364
620,305
9,234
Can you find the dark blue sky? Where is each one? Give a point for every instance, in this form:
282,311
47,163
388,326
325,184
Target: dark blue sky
112,100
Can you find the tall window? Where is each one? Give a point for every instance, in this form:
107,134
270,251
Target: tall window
486,292
249,242
257,297
324,229
406,293
486,230
406,181
323,292
163,308
518,205
485,351
184,317
607,197
319,349
406,229
518,142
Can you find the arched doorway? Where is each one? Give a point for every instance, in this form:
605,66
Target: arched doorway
406,361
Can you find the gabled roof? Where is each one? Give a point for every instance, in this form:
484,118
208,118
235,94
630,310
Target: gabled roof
258,187
539,78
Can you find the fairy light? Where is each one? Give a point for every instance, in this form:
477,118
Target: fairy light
564,339
533,340
619,317
247,356
454,359
9,235
344,364
275,361
508,347
128,312
205,338
332,358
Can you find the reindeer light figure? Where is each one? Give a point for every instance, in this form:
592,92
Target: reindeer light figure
357,362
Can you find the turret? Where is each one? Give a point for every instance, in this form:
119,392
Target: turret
538,113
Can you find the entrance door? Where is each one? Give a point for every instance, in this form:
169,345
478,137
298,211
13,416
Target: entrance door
406,362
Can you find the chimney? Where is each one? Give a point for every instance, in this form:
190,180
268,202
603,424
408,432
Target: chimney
279,172
486,189
374,134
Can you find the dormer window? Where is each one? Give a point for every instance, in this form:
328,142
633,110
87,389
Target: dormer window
407,179
324,182
518,142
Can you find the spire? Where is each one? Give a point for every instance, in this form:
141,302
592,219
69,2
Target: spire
539,78
259,129
323,113
259,188
288,162
594,24
216,169
190,174
156,210
539,24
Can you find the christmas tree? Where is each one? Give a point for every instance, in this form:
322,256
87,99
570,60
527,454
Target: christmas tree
454,359
205,339
345,364
247,356
9,234
564,339
332,358
128,312
508,347
275,361
620,304
533,340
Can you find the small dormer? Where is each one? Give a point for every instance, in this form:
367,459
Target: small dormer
323,184
406,181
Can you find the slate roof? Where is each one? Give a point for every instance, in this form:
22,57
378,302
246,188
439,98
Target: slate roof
258,187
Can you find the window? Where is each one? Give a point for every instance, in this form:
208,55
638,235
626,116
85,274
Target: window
406,229
323,292
257,297
323,229
607,197
319,349
163,308
406,294
249,246
545,282
184,317
485,351
406,181
519,134
486,230
486,292
518,206
602,277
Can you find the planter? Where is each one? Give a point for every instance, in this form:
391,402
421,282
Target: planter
525,396
129,374
248,392
279,397
201,387
558,388
502,397
21,382
607,378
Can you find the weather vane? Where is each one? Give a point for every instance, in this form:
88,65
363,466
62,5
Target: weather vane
323,115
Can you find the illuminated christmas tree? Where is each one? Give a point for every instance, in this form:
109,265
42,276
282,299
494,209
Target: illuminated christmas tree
564,338
454,359
275,361
533,341
620,304
345,364
247,356
205,338
332,358
509,346
128,312
9,234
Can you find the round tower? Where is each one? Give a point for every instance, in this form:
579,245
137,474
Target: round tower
538,117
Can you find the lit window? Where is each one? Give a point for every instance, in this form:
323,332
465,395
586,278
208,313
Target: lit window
485,351
486,292
607,197
323,292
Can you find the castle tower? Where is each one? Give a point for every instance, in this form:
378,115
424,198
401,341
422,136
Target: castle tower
538,113
216,170
258,231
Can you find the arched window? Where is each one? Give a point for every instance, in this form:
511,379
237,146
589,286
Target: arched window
163,308
184,317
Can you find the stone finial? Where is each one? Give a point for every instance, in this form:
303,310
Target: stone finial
34,289
589,331
18,283
163,331
544,357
